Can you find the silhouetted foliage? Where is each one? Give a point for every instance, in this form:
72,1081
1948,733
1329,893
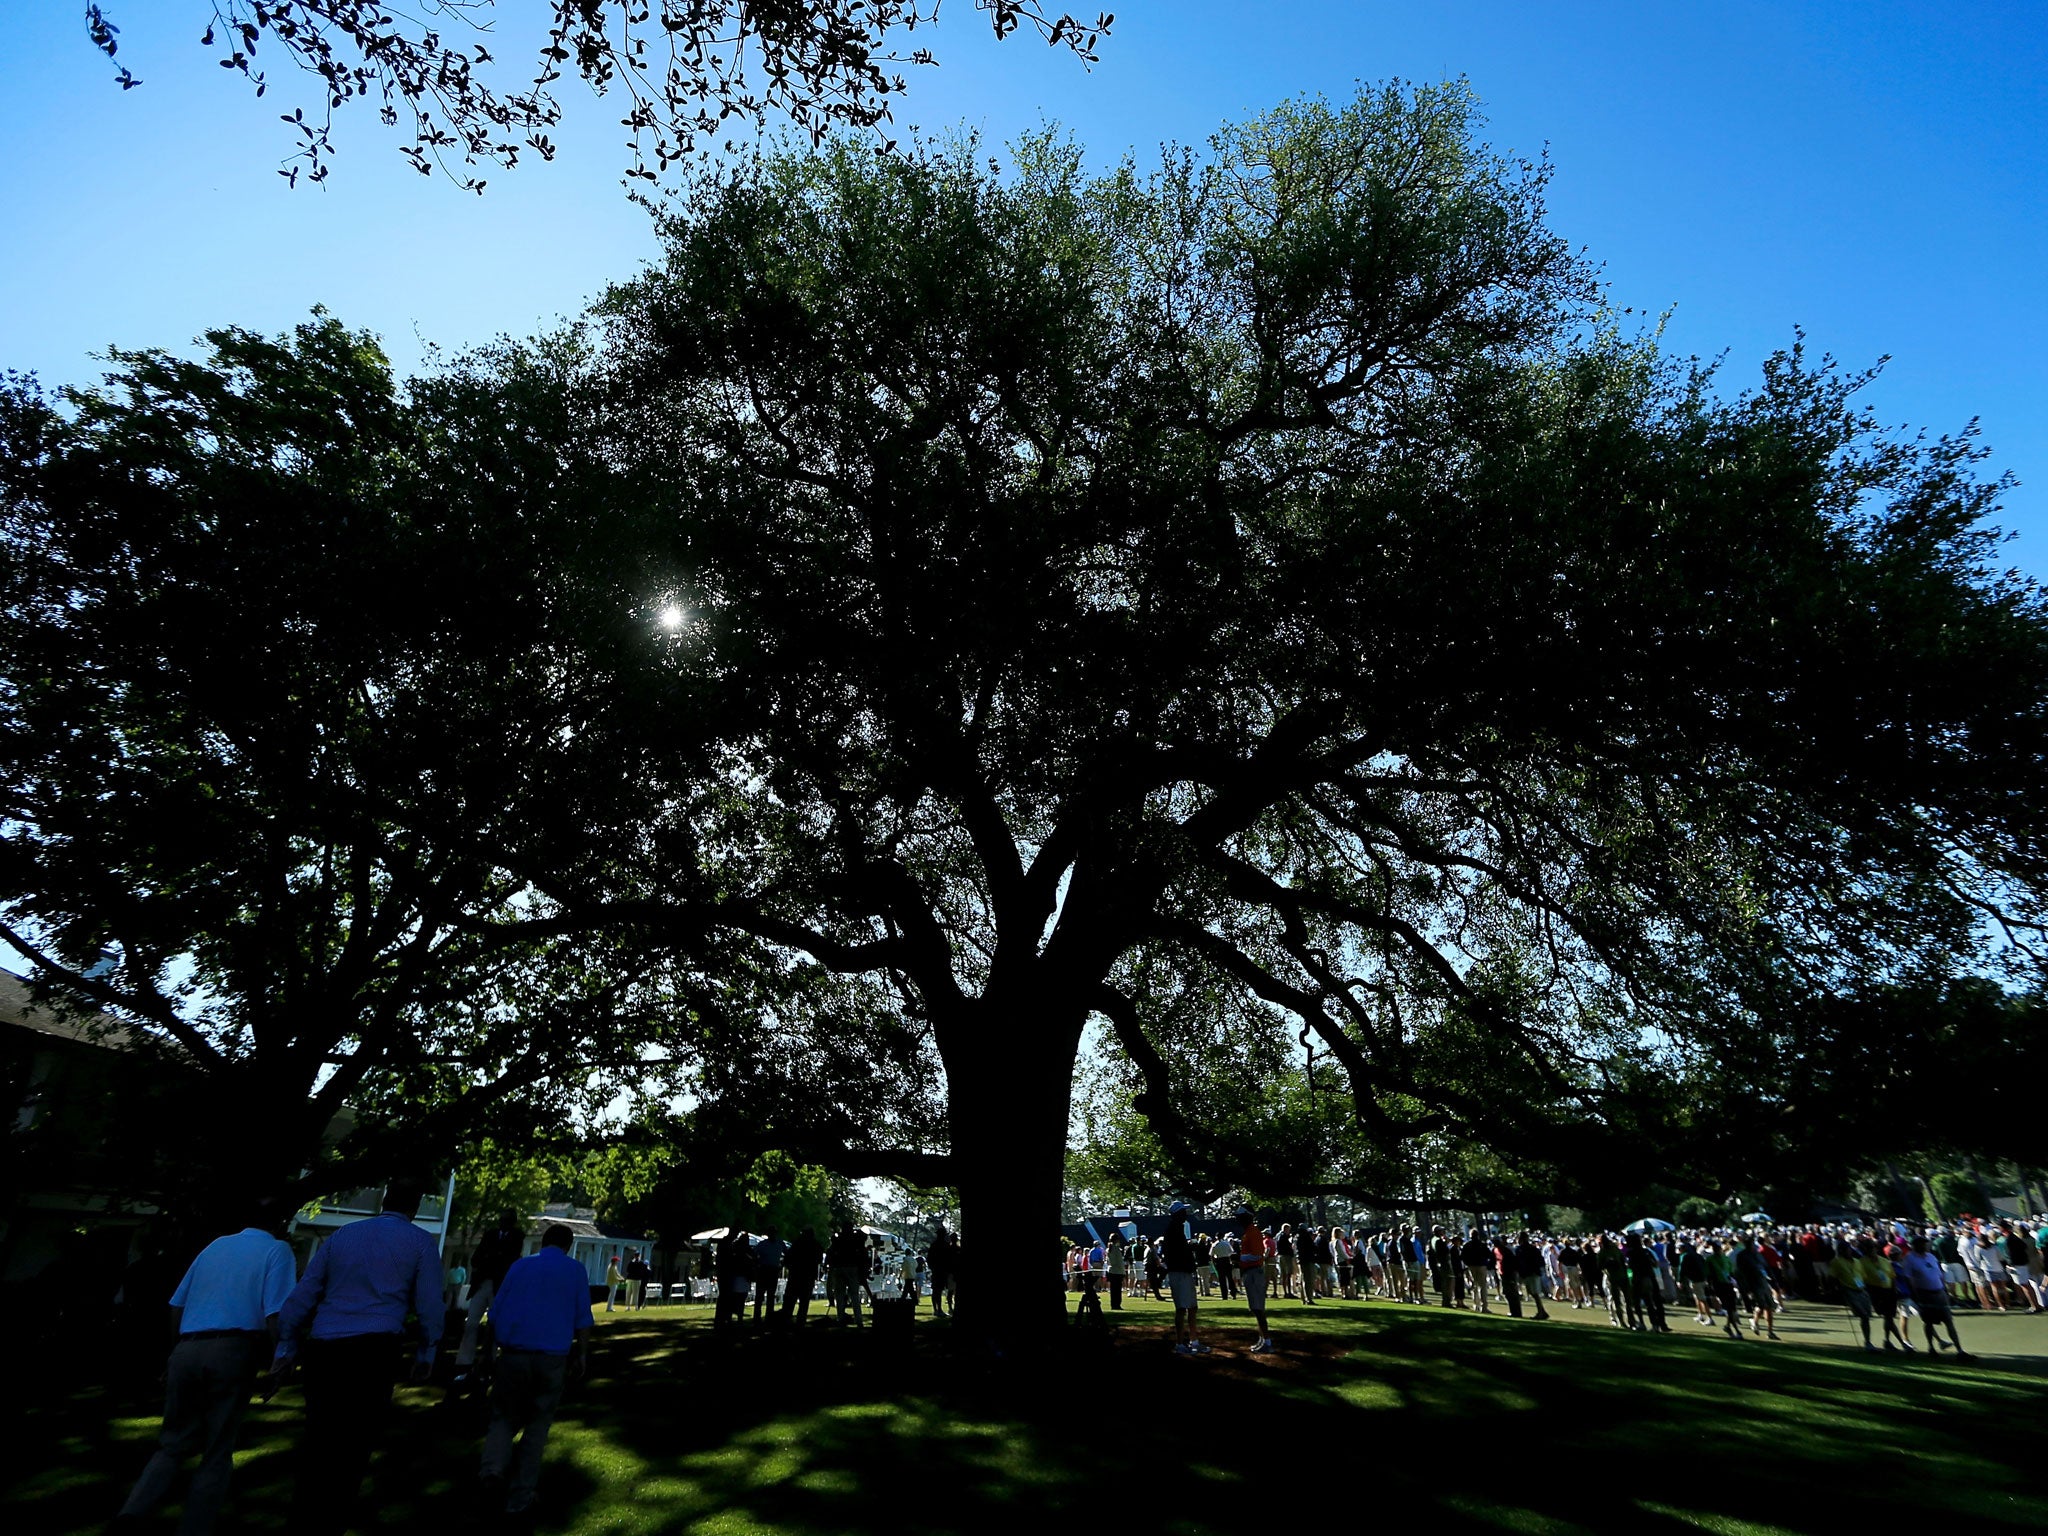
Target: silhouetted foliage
683,67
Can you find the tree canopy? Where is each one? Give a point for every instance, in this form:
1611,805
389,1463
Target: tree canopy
1266,600
1258,605
261,702
682,67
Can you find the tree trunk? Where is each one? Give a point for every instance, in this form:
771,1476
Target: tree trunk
1010,1083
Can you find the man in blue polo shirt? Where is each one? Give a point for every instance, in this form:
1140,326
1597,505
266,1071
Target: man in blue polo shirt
541,1317
225,1311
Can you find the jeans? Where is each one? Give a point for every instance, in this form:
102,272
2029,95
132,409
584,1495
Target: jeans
524,1395
206,1393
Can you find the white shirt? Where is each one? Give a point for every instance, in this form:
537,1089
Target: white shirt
238,1282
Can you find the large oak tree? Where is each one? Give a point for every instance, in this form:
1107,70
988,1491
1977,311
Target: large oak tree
1269,593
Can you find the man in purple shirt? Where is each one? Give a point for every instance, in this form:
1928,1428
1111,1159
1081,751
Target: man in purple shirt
347,1318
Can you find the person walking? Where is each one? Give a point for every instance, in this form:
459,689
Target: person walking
1846,1270
345,1323
1926,1278
1646,1286
1753,1279
542,1322
496,1252
224,1312
1720,1268
1880,1280
1119,1270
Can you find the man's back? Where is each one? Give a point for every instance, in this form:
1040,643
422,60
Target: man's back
236,1284
544,1300
497,1253
367,1278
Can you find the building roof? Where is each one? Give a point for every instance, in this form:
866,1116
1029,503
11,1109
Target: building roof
19,1007
582,1221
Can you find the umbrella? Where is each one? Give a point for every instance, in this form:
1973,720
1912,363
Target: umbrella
873,1232
710,1237
1649,1224
1757,1216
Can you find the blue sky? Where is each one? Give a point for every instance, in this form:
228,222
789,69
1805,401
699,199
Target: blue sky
1875,173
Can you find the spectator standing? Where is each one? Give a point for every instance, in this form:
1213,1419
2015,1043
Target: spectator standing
800,1278
1646,1279
2020,1259
637,1276
1180,1279
614,1282
1475,1257
848,1260
224,1312
346,1321
1254,1250
734,1263
942,1258
542,1321
768,1258
1528,1267
1119,1268
1950,1254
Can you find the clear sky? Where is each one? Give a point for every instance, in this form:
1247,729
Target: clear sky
1876,173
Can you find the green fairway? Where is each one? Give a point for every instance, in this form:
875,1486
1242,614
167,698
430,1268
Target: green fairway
1381,1410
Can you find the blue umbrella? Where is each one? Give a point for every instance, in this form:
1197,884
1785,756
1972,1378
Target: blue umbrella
1649,1224
1756,1216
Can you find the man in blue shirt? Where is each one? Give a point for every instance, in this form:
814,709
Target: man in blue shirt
347,1317
541,1318
225,1311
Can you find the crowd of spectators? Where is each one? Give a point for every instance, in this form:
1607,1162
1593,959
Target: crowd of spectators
1889,1274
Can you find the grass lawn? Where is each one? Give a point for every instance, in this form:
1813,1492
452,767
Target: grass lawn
1369,1412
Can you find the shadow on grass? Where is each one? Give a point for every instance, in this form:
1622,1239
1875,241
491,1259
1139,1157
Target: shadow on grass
1468,1423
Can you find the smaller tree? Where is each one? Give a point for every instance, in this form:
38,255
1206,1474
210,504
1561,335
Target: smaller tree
1956,1194
262,654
